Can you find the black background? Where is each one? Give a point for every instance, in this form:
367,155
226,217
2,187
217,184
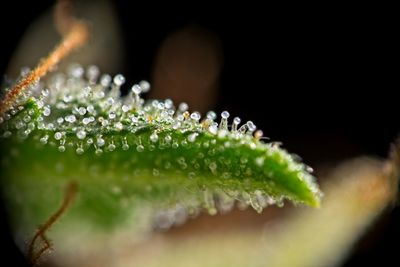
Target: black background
318,78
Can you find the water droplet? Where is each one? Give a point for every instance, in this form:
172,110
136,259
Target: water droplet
105,80
225,114
40,104
258,134
90,109
136,89
195,116
309,169
251,126
213,167
46,111
45,93
280,203
110,101
192,137
236,122
224,120
125,146
242,205
134,119
75,71
119,126
100,141
104,123
255,203
181,160
183,107
154,137
92,73
163,220
224,203
111,147
209,203
156,172
86,93
213,128
125,108
81,134
145,85
168,103
243,129
111,115
261,198
50,126
119,80
99,95
79,151
24,71
226,175
168,138
68,98
7,134
25,133
86,121
180,215
19,124
44,139
70,118
179,118
31,126
61,148
82,111
184,143
260,161
211,115
222,133
116,189
140,148
60,120
57,135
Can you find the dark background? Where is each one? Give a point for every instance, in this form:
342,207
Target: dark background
320,79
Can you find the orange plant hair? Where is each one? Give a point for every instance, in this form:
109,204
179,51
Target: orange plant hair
75,34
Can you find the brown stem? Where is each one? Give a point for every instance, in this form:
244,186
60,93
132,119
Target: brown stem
75,32
39,254
63,16
70,193
392,168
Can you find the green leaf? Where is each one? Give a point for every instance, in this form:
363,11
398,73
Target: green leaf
129,156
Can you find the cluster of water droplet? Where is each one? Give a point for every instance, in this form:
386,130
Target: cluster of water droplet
81,109
214,202
84,111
